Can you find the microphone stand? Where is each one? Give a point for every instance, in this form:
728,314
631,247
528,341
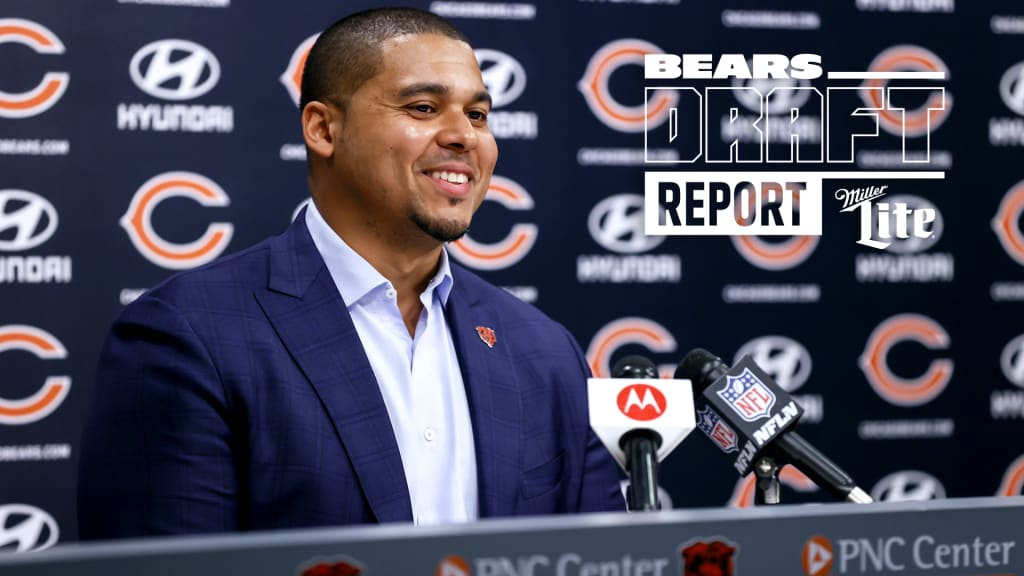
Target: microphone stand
766,471
642,465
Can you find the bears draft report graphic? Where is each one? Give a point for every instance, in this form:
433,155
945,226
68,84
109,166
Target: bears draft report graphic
138,220
54,390
53,84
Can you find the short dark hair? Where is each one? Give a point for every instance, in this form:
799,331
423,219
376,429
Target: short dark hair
347,53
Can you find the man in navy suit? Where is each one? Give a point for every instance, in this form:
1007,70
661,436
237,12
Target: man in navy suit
347,371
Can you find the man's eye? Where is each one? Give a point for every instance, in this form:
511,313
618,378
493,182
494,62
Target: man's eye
477,115
422,108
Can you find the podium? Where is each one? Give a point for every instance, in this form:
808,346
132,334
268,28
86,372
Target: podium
958,537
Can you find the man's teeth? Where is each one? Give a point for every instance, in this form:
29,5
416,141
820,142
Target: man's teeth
453,177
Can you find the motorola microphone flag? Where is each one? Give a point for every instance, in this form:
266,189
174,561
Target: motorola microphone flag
621,405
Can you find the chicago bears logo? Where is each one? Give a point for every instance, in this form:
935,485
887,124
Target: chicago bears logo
292,75
617,116
342,568
927,117
743,494
487,335
622,332
138,220
514,246
1013,479
1007,222
50,88
709,557
906,391
55,388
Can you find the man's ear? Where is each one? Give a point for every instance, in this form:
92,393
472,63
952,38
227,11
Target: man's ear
318,130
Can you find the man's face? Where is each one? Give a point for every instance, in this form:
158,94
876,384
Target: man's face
415,153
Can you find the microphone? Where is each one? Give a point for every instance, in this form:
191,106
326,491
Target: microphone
640,419
640,444
745,399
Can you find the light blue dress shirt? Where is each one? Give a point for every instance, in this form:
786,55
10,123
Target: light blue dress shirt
418,376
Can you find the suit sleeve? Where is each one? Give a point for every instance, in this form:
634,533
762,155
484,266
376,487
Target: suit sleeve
156,453
600,489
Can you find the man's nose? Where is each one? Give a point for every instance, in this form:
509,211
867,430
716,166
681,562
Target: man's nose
457,132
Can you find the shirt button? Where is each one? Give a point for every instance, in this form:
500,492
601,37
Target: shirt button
429,434
390,293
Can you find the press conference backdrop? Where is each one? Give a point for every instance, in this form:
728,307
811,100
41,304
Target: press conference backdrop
143,137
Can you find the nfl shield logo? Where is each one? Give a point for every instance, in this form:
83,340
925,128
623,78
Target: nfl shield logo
719,432
747,396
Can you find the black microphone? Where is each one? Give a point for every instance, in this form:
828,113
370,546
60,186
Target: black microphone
747,399
640,444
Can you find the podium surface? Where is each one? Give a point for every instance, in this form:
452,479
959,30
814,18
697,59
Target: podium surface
958,537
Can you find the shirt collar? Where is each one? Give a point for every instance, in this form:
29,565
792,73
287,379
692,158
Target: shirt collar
353,275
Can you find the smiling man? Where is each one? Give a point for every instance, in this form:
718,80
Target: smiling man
347,371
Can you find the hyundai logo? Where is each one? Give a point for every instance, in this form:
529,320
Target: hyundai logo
28,527
174,69
780,102
785,359
617,224
908,486
1011,88
1012,361
503,75
31,217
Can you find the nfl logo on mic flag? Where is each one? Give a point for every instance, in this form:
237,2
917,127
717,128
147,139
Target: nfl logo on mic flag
748,396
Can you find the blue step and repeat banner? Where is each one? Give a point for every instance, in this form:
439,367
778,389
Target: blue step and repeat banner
143,137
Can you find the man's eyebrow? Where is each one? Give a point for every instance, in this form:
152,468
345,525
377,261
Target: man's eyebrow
439,90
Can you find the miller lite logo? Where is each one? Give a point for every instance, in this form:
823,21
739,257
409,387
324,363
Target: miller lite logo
719,432
747,396
641,402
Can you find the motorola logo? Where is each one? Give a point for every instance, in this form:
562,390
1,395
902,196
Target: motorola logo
908,486
26,527
26,220
786,360
503,75
174,69
1012,361
617,224
1011,88
785,98
641,402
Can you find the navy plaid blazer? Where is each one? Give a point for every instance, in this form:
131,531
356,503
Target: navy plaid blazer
237,396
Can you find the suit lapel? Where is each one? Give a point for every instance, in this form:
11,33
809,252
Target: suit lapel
494,401
306,310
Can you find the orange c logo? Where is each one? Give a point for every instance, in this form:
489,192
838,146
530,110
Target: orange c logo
53,85
930,115
508,251
1005,222
292,76
138,220
904,391
625,331
41,404
1013,479
616,116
